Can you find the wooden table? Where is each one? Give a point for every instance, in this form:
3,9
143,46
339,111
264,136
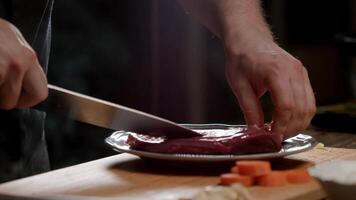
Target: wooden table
334,139
128,177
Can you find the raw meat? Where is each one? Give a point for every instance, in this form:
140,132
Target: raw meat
216,141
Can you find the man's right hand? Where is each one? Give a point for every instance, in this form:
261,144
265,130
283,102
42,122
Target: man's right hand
22,80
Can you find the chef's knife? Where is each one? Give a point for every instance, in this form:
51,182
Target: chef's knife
105,114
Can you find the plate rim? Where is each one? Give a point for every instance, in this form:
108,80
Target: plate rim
208,157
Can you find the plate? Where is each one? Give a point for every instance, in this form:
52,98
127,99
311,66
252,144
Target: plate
297,144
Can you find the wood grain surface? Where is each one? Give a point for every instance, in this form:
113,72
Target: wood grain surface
334,139
127,177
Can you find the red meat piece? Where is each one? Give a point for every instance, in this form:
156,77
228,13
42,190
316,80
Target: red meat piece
232,141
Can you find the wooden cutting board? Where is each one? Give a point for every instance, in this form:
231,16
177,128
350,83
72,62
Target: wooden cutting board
127,177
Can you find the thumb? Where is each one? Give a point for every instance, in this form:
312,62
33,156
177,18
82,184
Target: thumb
34,87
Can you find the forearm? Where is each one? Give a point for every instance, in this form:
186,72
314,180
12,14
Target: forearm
229,18
255,64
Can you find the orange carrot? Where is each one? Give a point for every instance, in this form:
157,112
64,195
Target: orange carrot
272,179
230,178
297,176
234,170
253,167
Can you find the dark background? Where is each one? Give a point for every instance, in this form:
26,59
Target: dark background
151,56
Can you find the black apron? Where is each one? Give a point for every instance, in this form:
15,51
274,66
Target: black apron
23,149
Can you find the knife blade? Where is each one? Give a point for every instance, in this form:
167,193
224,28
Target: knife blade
109,115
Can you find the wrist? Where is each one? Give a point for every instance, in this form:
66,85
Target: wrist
242,32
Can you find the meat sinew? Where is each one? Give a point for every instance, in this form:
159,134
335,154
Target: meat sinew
215,141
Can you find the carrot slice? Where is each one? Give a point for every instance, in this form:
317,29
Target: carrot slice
230,178
273,179
234,170
253,167
297,176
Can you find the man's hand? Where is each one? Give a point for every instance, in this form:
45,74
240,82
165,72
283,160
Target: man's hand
256,65
22,80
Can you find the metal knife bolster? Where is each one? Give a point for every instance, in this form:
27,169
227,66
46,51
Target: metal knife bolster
109,115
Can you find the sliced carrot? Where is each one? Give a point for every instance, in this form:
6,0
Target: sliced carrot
234,170
272,179
230,178
253,167
297,176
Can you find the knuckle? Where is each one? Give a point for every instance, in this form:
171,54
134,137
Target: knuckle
27,58
17,66
297,63
30,55
298,66
312,110
286,107
42,95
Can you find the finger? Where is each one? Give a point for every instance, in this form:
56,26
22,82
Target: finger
10,90
3,70
34,87
310,98
298,119
249,102
282,98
